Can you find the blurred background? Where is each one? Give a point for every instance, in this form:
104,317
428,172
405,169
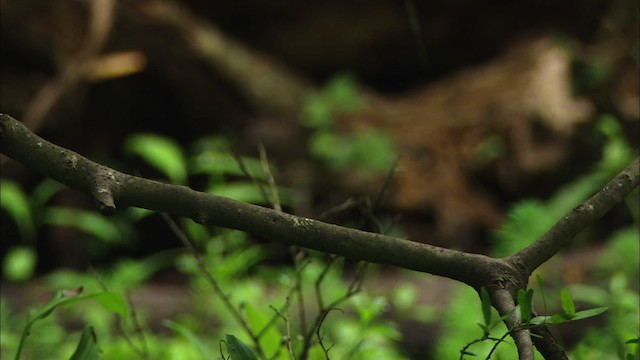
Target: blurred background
461,124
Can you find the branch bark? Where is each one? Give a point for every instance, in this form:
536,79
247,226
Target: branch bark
111,188
503,277
559,236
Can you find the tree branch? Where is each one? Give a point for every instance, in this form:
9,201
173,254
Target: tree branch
502,300
110,188
559,236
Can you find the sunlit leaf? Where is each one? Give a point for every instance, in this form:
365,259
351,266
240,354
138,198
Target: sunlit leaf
16,203
45,191
114,302
89,222
271,339
567,303
161,152
19,263
244,191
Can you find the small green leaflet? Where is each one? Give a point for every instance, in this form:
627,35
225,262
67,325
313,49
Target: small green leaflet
567,304
238,350
87,347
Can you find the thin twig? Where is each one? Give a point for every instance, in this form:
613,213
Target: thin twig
266,168
292,355
142,353
248,174
214,284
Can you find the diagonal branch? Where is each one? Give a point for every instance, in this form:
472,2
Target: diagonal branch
110,188
559,236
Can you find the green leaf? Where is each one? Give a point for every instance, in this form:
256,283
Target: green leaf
486,307
405,297
189,335
524,301
589,313
114,302
19,263
317,112
16,203
89,222
567,304
244,191
271,339
373,150
541,287
45,191
61,297
87,347
335,149
161,152
238,350
343,92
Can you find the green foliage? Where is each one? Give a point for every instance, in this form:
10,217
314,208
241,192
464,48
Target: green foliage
238,350
519,230
16,203
526,221
622,322
161,152
113,302
87,347
19,263
368,150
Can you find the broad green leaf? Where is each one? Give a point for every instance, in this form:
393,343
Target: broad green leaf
16,203
486,307
238,350
271,339
45,191
89,222
87,347
19,263
222,163
567,303
524,301
244,191
189,335
114,302
161,152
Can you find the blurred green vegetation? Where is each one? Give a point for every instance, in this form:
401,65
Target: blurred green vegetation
267,296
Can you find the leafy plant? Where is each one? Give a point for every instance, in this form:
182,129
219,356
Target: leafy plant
367,150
